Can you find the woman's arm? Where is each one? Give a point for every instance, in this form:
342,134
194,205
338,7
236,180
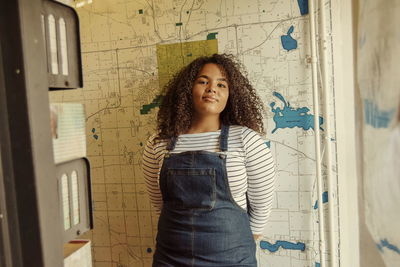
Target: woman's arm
260,168
151,170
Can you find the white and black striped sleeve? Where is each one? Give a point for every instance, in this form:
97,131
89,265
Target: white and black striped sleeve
260,168
151,169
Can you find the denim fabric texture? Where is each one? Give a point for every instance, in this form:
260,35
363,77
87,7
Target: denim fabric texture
200,224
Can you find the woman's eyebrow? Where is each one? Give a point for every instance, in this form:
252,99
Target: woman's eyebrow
202,76
206,77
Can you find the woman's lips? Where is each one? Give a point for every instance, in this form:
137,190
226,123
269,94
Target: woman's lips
209,99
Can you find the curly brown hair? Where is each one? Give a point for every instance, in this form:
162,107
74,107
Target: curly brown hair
244,106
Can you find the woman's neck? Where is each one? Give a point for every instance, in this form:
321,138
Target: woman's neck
205,124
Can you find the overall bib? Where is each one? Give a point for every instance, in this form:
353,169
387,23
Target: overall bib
200,223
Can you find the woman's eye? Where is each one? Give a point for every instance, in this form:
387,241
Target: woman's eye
221,85
202,82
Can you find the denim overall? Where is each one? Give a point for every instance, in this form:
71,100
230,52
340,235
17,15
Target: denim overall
200,223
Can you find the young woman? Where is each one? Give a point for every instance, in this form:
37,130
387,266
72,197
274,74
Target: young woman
207,169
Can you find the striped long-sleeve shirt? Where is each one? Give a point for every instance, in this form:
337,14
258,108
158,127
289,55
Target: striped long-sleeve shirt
249,163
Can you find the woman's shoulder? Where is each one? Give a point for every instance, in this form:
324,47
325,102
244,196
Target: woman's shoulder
151,139
155,141
236,127
243,130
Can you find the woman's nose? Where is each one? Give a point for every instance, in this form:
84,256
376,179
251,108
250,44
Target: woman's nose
210,88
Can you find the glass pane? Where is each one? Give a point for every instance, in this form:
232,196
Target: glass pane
53,44
75,197
65,201
63,46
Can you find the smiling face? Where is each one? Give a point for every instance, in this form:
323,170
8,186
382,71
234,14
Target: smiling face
210,91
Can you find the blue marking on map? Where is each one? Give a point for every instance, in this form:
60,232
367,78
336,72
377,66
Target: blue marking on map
283,244
95,136
290,117
303,6
376,117
288,42
324,199
385,243
317,264
268,143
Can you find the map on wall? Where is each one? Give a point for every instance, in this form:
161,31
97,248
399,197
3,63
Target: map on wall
131,48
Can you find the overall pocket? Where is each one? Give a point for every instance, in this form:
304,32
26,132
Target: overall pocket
191,188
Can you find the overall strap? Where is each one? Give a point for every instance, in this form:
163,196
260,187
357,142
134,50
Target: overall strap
171,143
223,138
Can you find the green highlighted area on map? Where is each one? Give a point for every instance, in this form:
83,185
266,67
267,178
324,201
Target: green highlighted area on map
172,57
155,103
212,35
